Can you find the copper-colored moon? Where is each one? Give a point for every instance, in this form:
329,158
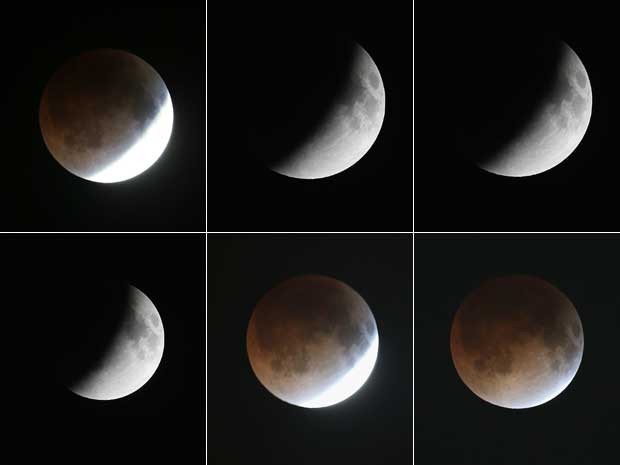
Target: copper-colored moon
106,116
517,341
312,341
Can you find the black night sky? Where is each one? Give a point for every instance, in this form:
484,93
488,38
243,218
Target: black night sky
276,55
164,421
472,61
452,425
247,424
37,194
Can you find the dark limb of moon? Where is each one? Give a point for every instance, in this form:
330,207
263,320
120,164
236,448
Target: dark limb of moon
516,341
106,116
312,341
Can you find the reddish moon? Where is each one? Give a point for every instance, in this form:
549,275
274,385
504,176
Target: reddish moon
312,341
106,116
517,341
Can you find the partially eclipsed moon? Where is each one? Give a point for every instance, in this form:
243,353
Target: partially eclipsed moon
347,131
516,341
106,116
312,341
130,357
555,129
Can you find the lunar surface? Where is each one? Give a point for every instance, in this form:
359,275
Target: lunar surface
106,116
347,130
312,341
517,341
130,357
555,129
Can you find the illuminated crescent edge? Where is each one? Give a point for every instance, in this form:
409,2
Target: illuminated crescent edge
145,152
350,382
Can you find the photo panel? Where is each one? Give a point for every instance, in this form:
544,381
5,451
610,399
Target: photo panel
104,119
515,119
309,118
309,348
104,348
514,336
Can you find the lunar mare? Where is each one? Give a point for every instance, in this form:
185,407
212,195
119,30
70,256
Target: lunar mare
132,355
516,341
555,130
347,132
312,341
106,116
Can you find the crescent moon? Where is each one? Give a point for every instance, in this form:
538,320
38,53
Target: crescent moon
130,357
106,116
555,130
349,129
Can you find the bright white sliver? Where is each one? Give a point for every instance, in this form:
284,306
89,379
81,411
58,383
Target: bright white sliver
350,382
145,152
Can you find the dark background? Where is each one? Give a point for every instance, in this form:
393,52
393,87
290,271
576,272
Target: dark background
473,60
273,56
37,194
452,425
247,424
162,422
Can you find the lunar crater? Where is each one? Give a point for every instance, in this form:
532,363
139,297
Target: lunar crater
582,80
375,82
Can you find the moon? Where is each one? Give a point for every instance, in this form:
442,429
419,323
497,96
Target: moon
312,341
106,116
122,362
348,129
516,341
555,128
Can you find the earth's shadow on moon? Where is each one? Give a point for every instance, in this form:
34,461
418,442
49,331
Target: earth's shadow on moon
296,78
500,82
306,339
89,316
314,319
489,305
95,108
516,341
